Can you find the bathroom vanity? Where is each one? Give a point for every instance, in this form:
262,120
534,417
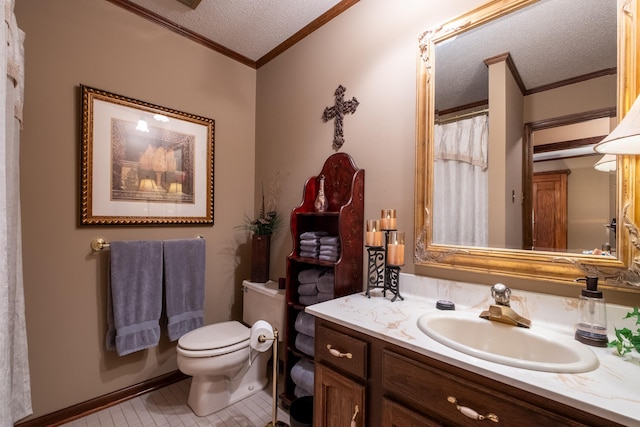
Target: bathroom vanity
374,365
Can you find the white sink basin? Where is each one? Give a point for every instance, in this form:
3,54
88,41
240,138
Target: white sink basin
536,348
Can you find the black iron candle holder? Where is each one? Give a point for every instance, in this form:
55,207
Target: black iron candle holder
379,274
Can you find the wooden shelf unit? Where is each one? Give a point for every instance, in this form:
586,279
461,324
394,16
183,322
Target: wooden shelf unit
344,189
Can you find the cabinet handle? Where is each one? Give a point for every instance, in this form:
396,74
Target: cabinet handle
355,414
336,353
468,412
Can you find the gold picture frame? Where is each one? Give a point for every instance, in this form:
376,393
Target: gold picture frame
143,164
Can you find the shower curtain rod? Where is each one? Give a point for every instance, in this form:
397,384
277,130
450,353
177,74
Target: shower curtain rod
462,116
98,243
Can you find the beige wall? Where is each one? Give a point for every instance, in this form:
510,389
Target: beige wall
505,148
371,50
266,122
69,42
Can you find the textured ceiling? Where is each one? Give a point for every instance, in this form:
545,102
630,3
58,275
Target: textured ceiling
251,28
549,41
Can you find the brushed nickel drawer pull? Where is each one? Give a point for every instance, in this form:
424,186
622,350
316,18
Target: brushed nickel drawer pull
336,353
470,413
355,414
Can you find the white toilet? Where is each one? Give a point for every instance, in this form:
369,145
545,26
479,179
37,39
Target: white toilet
225,369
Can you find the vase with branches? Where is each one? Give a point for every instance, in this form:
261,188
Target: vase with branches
262,227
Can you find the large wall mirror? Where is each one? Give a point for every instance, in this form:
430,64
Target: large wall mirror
512,96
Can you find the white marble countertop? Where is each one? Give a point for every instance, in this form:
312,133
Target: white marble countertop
612,391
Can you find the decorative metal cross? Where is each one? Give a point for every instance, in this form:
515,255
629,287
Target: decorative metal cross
337,112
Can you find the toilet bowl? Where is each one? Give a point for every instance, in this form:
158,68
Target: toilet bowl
224,367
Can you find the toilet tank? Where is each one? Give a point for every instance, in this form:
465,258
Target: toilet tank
264,301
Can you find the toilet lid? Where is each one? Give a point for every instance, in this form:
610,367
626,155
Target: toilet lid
216,335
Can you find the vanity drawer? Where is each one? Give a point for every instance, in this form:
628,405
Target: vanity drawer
394,414
439,394
342,351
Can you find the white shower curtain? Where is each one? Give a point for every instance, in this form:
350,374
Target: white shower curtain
460,189
15,390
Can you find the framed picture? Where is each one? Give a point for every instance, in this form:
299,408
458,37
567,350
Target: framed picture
144,164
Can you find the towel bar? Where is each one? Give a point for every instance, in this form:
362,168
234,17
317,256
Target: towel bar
98,243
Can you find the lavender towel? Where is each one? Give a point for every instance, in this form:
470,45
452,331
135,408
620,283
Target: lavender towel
305,344
134,303
302,375
331,258
324,296
310,275
307,289
330,241
308,254
184,269
313,235
309,243
325,282
306,324
308,299
329,252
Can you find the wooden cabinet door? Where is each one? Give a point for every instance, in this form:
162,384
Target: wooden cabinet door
337,399
550,211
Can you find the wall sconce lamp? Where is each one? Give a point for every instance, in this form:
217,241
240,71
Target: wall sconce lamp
625,138
607,163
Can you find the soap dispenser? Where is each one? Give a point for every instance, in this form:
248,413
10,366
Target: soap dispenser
591,326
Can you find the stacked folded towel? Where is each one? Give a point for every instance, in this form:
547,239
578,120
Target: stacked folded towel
310,243
316,285
305,344
325,286
306,329
303,378
307,290
329,248
305,324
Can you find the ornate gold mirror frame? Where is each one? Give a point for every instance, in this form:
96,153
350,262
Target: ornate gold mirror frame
623,271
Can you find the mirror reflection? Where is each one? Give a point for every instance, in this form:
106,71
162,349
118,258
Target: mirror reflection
519,103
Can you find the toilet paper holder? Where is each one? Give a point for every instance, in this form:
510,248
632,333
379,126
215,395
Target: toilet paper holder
262,338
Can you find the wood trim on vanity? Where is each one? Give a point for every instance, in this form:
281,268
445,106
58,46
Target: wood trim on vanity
94,405
395,374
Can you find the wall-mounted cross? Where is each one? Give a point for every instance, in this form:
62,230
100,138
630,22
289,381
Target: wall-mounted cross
337,112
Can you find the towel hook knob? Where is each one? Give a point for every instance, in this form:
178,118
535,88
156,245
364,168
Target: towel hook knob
99,244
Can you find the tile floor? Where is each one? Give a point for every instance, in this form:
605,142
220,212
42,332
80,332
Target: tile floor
167,407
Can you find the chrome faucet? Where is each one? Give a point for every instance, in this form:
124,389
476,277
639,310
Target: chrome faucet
501,311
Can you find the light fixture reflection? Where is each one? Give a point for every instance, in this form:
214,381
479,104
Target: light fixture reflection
625,138
607,163
142,126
